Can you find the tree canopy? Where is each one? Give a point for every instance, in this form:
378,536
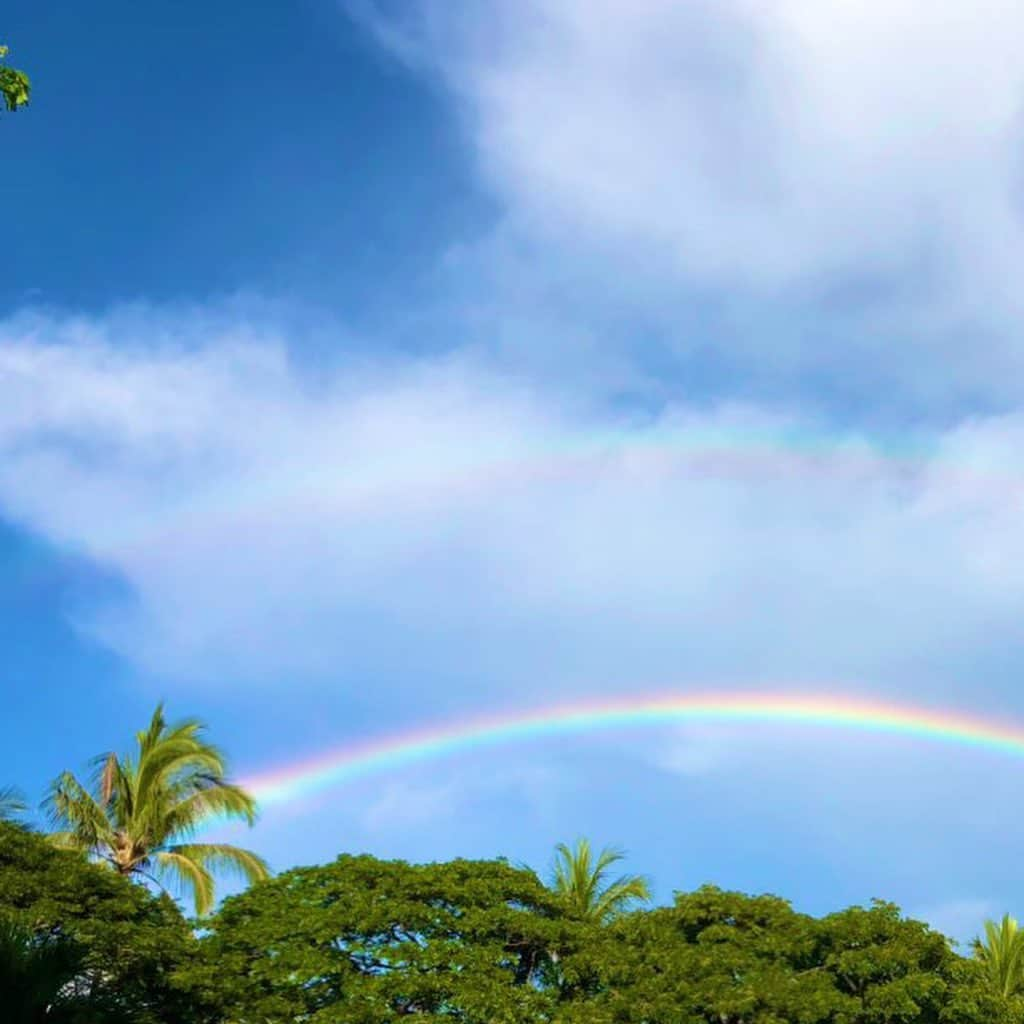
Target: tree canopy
364,940
121,943
727,958
368,941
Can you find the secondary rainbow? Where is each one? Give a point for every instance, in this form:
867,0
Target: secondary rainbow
385,753
484,466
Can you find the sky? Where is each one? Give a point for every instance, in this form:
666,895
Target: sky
370,366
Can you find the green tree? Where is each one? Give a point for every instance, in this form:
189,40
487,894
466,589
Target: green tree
143,809
14,85
1001,955
68,918
374,942
891,967
581,880
719,957
714,956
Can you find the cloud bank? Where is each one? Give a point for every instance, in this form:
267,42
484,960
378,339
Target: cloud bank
824,194
439,514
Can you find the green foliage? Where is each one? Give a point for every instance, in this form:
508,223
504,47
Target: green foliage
580,879
39,979
893,969
14,85
725,958
141,808
713,956
1001,956
63,915
364,941
369,942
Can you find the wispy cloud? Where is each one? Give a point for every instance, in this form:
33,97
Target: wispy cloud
695,751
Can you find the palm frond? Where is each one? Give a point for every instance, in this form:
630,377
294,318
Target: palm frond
72,810
224,857
151,735
618,895
176,760
36,972
579,878
12,805
224,800
109,776
208,858
1002,955
113,786
190,875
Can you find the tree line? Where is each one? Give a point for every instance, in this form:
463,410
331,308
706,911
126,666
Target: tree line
369,941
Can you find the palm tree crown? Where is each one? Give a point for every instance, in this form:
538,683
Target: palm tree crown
1002,954
580,879
143,809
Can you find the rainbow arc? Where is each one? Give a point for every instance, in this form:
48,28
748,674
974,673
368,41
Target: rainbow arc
358,759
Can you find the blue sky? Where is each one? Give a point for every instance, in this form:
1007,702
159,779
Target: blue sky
313,312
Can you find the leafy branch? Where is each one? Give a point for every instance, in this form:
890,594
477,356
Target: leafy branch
14,84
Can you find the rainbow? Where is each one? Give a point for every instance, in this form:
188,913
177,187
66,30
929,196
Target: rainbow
689,450
390,752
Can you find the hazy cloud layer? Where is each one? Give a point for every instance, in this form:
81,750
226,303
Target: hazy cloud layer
450,517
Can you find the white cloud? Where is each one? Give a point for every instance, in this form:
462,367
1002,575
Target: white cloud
777,157
769,144
437,520
695,750
409,804
447,797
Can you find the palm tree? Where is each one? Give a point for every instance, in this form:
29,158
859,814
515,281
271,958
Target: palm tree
580,880
143,810
11,804
1002,956
38,978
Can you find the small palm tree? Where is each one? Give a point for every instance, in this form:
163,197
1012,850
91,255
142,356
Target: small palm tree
11,804
38,976
580,879
1002,955
143,810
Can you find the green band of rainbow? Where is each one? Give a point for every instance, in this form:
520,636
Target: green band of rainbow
381,754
